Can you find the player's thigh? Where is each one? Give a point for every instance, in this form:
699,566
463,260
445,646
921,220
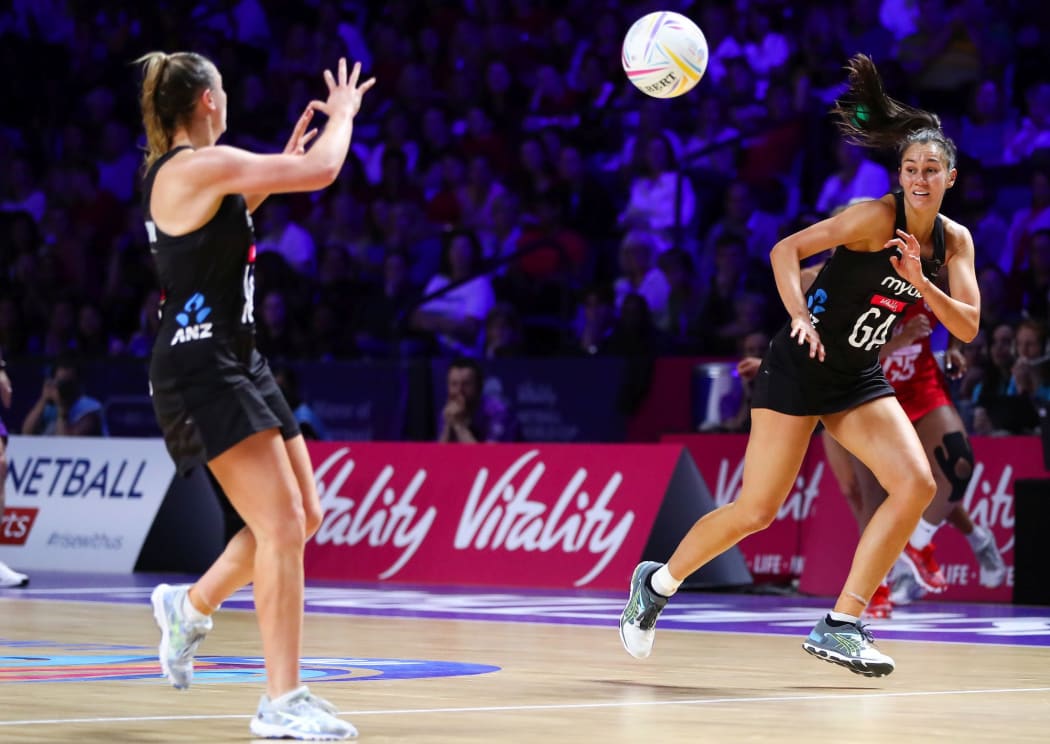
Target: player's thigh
883,439
776,448
257,476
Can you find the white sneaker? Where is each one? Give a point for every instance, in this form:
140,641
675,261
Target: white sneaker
10,579
179,637
299,715
904,589
993,569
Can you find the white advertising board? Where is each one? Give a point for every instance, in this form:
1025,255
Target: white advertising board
81,503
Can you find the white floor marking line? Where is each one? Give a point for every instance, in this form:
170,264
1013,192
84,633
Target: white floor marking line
552,706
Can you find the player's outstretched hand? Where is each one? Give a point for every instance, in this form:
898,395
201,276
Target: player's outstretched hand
344,93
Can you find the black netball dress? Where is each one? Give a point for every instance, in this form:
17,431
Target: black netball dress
854,303
210,387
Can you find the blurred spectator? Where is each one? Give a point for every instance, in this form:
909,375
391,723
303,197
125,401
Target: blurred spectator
751,349
596,318
468,416
661,198
62,408
118,162
997,306
986,128
765,48
61,333
743,221
478,194
281,234
503,336
738,284
856,177
501,238
1033,135
634,333
459,297
141,342
276,334
588,203
685,300
941,55
639,275
976,210
1025,222
383,321
1033,286
997,410
1028,377
93,340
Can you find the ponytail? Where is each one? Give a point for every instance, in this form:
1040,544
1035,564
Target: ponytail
171,84
870,118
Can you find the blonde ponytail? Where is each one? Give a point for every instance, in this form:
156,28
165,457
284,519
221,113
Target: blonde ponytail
158,141
171,84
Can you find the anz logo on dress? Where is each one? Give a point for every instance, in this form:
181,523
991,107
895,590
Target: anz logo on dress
192,325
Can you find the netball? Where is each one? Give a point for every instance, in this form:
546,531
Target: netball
664,54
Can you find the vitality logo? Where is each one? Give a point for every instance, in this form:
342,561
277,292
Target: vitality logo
192,321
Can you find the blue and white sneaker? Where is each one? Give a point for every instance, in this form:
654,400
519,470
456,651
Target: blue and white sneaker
638,619
299,715
179,637
849,645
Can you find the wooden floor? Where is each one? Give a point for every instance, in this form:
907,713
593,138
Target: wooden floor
556,683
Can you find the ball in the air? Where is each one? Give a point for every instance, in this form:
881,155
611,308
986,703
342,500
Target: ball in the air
664,54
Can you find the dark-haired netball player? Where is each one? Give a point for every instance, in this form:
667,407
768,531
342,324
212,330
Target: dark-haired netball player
823,366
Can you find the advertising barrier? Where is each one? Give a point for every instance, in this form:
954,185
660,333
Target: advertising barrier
81,504
553,516
814,535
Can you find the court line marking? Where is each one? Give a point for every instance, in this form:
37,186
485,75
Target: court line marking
544,707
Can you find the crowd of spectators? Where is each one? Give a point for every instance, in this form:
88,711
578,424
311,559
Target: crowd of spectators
504,161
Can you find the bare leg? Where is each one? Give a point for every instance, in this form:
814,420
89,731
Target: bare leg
258,478
234,568
775,451
881,436
842,465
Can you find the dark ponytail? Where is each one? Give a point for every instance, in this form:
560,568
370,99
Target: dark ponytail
870,118
171,84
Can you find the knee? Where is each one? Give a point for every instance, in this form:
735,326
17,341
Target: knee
921,486
288,532
756,517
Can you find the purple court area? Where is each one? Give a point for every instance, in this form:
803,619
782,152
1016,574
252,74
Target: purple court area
931,621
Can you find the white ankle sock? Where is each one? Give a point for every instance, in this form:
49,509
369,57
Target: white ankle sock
923,534
842,617
190,612
663,582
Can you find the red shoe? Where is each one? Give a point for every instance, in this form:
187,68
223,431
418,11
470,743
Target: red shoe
924,568
880,607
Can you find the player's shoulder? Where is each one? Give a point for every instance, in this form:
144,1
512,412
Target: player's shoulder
955,233
882,208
